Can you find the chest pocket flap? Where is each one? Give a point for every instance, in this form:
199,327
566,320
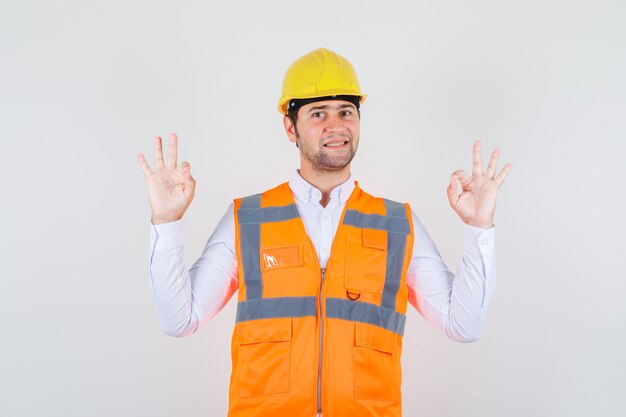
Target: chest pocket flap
374,239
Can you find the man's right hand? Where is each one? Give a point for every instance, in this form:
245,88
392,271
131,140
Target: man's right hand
170,190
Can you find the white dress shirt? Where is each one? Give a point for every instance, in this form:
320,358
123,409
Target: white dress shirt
187,298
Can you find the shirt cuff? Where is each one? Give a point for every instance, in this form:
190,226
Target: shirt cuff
479,241
166,236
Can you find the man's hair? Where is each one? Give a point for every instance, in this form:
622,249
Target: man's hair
293,116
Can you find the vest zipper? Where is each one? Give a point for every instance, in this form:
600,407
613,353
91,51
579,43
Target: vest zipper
319,367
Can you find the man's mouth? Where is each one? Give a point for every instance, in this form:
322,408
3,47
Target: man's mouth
336,144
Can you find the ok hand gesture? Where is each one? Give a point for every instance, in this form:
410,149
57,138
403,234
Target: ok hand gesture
476,204
170,190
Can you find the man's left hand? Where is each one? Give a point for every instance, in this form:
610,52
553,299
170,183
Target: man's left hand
476,204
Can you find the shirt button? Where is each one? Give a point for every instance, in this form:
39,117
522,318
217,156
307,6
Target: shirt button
483,242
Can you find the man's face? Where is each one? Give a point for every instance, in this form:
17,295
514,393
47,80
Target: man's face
327,133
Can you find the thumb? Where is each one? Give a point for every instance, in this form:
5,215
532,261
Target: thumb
452,193
189,185
190,182
185,168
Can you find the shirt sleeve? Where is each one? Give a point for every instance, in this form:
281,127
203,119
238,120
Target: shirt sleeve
456,305
185,299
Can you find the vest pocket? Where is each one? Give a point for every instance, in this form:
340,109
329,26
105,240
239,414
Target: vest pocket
377,371
366,261
281,257
264,355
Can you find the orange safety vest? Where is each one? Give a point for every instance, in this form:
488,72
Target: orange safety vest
308,339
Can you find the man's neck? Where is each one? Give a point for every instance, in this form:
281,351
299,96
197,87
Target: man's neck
325,180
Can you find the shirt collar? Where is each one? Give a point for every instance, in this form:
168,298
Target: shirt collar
306,192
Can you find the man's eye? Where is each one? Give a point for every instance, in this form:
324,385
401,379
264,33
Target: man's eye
347,113
318,114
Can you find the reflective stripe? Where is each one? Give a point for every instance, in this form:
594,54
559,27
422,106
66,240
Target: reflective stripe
250,242
268,214
376,221
394,209
338,308
269,308
396,244
252,201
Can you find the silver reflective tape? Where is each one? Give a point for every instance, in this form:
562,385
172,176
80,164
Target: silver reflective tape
396,245
376,221
269,308
250,243
267,214
252,201
391,320
394,209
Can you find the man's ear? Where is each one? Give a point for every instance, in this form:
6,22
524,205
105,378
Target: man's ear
290,129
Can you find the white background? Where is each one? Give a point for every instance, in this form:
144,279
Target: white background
85,86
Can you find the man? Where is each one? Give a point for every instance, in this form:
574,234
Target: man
324,271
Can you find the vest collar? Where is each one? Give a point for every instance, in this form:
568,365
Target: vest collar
306,192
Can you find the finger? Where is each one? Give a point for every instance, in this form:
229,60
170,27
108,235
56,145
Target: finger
145,168
191,185
453,196
190,188
172,153
500,178
185,168
493,162
461,176
478,164
158,153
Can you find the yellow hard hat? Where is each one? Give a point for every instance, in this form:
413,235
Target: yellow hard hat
319,73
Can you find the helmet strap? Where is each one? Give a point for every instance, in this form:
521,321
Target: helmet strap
294,104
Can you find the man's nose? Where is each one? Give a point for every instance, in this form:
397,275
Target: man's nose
334,123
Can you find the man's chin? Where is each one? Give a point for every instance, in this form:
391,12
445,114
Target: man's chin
333,164
331,168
